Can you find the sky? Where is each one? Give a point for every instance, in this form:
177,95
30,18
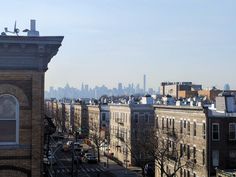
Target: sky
112,41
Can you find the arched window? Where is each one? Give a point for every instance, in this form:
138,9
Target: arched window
9,120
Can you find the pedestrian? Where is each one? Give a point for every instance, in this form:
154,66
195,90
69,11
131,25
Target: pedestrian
98,174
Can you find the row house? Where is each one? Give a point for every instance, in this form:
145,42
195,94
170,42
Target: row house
69,117
81,119
94,120
208,136
128,123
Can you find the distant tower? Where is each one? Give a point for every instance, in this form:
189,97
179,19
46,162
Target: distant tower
144,83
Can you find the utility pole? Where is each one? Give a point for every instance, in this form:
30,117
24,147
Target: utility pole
73,156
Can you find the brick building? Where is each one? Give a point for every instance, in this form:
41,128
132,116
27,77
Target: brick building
128,123
23,62
209,135
81,119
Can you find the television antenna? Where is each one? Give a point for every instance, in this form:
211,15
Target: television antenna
15,31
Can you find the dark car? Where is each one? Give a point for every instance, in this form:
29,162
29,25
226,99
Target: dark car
77,157
149,170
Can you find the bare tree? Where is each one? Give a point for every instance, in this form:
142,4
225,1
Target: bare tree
169,148
164,147
141,150
98,138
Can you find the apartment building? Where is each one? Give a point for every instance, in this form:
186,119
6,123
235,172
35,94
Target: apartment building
105,120
69,117
173,88
94,120
190,124
81,119
208,136
128,123
23,63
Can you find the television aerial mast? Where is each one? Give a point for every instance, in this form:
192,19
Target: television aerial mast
15,31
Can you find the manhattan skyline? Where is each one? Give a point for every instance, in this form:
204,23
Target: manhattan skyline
108,41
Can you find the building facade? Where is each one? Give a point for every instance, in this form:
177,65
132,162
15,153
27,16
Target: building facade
208,136
128,123
81,119
189,123
23,62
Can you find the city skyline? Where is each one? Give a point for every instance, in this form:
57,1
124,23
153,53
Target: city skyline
110,41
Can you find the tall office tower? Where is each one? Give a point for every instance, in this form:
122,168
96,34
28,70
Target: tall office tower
144,83
23,63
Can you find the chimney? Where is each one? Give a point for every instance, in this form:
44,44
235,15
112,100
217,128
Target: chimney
32,31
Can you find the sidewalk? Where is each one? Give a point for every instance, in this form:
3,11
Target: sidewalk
115,169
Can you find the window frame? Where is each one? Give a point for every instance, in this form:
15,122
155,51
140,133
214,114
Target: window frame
17,109
212,132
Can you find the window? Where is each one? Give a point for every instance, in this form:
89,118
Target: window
203,130
103,116
188,151
173,124
9,120
181,172
136,118
184,123
194,129
162,123
188,173
181,126
157,122
167,123
181,150
203,157
146,118
188,128
232,131
194,152
215,131
215,158
232,158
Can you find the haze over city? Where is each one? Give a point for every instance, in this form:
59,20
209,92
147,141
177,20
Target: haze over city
110,41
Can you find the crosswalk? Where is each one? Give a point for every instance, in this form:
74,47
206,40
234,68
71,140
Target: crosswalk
82,169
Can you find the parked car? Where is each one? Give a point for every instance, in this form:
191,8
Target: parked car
91,159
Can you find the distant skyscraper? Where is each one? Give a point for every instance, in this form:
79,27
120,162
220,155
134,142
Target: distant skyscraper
144,83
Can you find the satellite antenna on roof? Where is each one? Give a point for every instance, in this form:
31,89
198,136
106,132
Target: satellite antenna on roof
15,31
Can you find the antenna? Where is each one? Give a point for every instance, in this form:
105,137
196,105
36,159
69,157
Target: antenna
15,30
31,32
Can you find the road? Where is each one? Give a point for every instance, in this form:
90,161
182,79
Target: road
63,166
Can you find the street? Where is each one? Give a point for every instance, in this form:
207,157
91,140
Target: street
63,165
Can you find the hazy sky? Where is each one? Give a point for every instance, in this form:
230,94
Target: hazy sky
111,41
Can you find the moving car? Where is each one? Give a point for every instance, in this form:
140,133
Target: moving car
92,159
89,158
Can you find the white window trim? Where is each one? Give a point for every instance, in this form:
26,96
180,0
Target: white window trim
218,132
17,122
